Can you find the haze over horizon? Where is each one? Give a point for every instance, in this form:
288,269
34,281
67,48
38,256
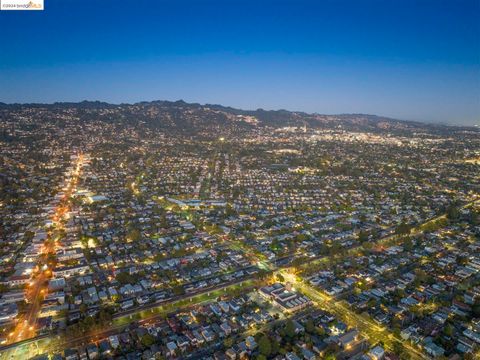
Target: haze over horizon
426,122
414,60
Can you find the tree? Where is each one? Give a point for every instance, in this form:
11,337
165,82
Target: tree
310,327
228,342
147,340
476,309
290,329
124,278
367,246
104,316
399,349
448,330
453,213
301,238
280,278
434,225
62,313
321,331
298,261
29,235
83,308
134,235
264,346
403,228
408,243
178,290
421,276
275,346
474,218
362,236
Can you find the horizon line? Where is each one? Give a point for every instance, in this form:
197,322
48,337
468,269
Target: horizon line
426,122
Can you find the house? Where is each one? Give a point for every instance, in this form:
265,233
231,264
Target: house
126,304
250,342
172,347
18,279
8,312
92,351
291,356
208,335
338,328
226,328
307,354
475,336
12,297
377,353
348,339
70,354
56,284
114,343
231,354
433,349
289,301
67,271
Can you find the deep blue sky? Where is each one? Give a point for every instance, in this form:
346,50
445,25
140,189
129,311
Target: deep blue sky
409,59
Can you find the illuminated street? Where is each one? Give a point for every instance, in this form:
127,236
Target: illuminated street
367,326
37,288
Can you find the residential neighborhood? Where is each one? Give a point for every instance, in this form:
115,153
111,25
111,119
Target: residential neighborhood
244,239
